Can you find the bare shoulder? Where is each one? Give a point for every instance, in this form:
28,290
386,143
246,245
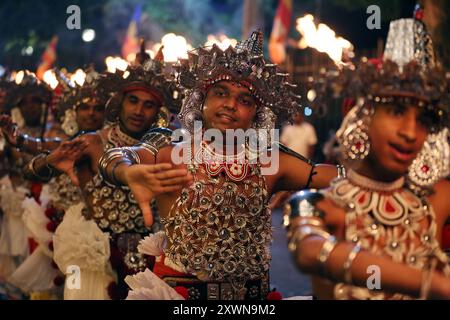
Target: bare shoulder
94,138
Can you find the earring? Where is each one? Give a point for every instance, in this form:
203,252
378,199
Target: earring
191,110
163,118
353,135
264,119
432,163
69,124
264,124
17,117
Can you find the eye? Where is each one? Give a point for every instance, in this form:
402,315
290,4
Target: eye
396,110
220,92
150,104
247,101
133,99
428,119
83,106
99,108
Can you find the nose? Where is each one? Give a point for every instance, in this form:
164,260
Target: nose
408,127
139,110
91,112
231,103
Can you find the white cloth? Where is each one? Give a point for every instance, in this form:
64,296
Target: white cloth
36,222
153,244
78,242
35,273
299,138
148,286
13,234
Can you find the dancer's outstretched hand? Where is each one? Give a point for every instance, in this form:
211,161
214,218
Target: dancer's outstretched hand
64,157
148,180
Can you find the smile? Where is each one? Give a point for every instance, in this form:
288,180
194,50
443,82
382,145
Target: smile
401,153
226,116
137,121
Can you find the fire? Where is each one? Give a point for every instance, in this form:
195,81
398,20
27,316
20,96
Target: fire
50,79
221,40
175,47
18,77
115,63
323,39
78,77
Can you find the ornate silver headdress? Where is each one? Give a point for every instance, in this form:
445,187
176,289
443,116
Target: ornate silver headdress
408,75
72,96
30,84
149,76
244,64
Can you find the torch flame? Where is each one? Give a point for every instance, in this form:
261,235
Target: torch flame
115,63
175,47
221,40
78,77
50,79
19,77
322,38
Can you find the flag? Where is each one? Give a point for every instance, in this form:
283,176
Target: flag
280,30
131,42
48,58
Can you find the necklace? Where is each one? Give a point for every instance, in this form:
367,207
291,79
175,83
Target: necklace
236,167
119,138
369,184
389,203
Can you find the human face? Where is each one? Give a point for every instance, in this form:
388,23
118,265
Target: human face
229,106
397,134
90,116
31,108
139,111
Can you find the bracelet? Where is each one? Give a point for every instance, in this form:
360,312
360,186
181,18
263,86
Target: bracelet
48,165
328,246
127,153
156,139
303,204
113,174
304,222
302,232
308,221
342,174
32,170
348,263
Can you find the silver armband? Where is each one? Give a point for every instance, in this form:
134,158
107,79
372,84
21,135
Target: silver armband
348,263
302,232
156,139
303,204
327,246
127,154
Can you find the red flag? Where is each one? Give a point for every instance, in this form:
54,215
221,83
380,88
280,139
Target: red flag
48,58
131,42
280,30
